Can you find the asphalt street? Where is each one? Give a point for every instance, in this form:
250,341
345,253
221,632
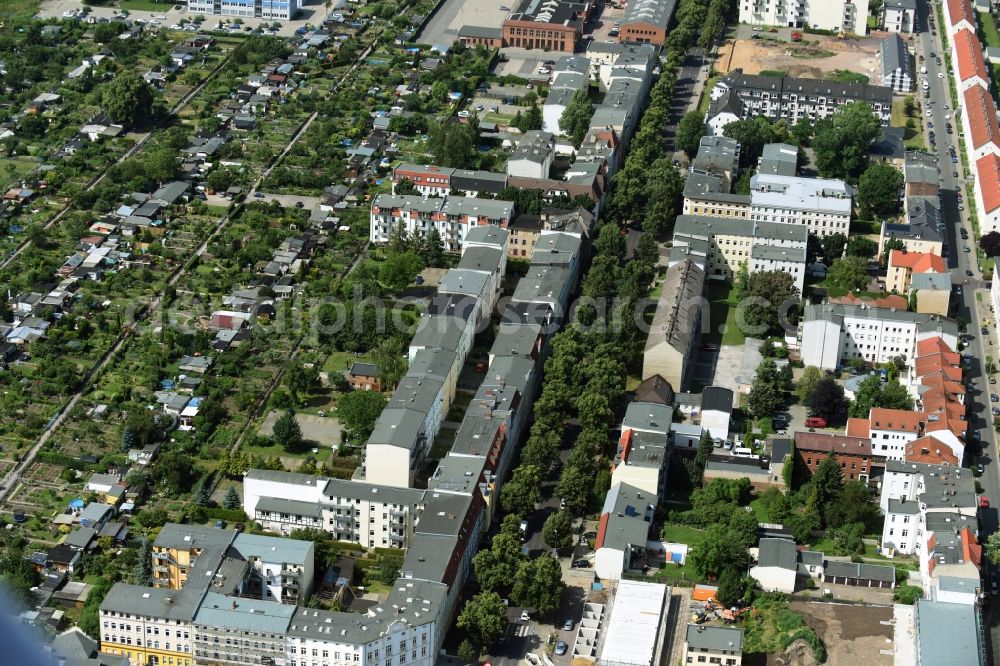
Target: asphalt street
974,302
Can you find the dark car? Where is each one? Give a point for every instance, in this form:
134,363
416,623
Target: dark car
985,331
968,272
581,564
994,398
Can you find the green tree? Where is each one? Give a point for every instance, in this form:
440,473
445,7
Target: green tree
848,539
753,134
358,411
833,246
842,142
774,300
530,119
689,132
854,504
522,492
432,249
575,119
539,585
174,472
802,131
496,567
232,499
484,618
557,532
399,269
575,484
828,401
127,98
661,193
721,550
827,485
850,273
879,188
467,652
142,574
732,587
705,448
287,433
807,382
803,524
873,392
453,144
861,246
993,547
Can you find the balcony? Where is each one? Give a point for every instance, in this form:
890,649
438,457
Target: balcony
394,536
397,513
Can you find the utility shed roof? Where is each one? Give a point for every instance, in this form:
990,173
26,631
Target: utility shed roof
634,623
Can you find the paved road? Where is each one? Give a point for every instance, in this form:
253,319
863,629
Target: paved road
970,307
692,74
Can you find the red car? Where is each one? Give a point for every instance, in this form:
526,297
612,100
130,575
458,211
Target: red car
815,422
984,502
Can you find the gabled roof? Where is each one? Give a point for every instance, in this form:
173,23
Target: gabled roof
656,389
828,443
970,56
858,427
896,419
777,553
918,262
961,9
930,451
932,345
988,170
982,116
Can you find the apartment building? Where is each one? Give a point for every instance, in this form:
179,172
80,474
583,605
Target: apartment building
931,511
570,74
642,455
431,180
854,454
676,326
720,246
453,217
841,16
271,10
923,230
896,64
987,192
969,66
234,632
717,156
959,15
821,205
713,644
794,98
833,334
899,16
903,266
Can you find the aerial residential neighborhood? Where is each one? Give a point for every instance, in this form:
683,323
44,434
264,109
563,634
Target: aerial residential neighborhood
455,333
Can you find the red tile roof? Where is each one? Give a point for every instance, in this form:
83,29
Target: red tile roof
970,56
988,169
961,9
918,262
982,115
826,443
888,302
932,346
971,551
929,451
896,419
858,427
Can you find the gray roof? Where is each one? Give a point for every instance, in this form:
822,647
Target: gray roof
836,312
811,557
274,549
79,649
444,514
359,369
714,638
647,449
291,507
493,209
175,535
486,234
171,191
483,33
894,55
81,537
958,584
716,153
400,427
777,553
248,615
717,398
889,143
780,447
648,416
372,492
156,602
282,476
921,167
776,253
860,571
948,634
780,159
534,146
438,333
457,474
451,305
426,557
463,281
931,281
678,310
910,5
542,284
748,467
432,364
556,248
516,339
417,394
903,506
737,80
95,511
477,432
479,258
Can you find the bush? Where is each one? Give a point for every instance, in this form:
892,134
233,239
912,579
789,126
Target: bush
907,594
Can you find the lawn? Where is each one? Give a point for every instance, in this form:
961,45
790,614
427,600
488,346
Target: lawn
675,533
15,167
341,361
989,28
722,311
19,8
706,94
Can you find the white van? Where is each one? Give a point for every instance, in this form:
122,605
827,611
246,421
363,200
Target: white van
742,452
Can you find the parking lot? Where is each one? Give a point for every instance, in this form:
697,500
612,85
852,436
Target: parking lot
605,23
170,15
453,14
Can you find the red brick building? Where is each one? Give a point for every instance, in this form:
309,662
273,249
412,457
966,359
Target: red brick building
853,453
548,25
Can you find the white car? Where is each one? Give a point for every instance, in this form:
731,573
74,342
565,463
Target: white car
940,75
525,617
176,27
69,13
929,113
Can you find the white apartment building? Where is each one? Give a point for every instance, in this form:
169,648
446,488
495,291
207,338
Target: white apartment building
721,245
453,217
142,626
273,10
822,205
832,334
840,15
899,16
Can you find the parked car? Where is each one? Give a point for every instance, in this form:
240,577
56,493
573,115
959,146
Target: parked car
815,422
568,624
980,469
525,616
984,502
561,648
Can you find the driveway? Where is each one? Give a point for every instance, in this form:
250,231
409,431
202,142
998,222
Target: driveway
287,200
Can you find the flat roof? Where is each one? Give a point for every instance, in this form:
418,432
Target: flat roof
948,634
274,549
633,625
221,612
714,638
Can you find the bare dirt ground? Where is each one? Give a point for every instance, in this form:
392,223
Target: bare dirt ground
852,634
813,60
